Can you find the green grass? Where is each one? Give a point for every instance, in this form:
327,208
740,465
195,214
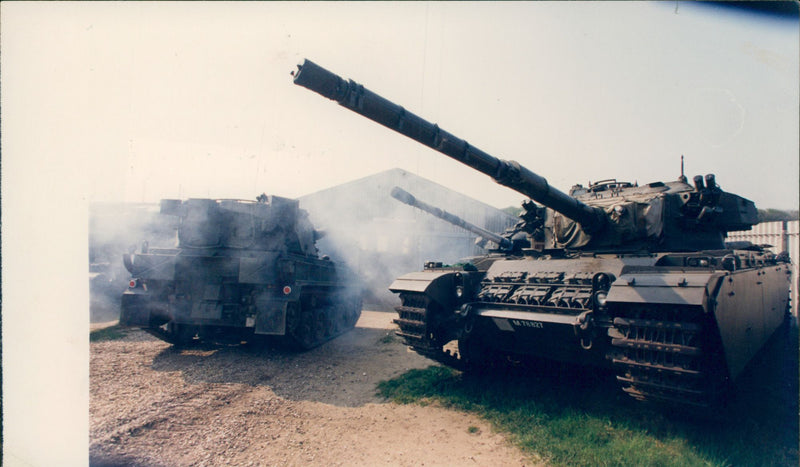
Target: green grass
574,416
107,334
389,338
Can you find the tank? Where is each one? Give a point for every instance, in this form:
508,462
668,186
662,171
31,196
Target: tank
637,279
506,246
407,198
241,270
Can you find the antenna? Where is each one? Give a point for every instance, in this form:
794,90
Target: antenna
682,178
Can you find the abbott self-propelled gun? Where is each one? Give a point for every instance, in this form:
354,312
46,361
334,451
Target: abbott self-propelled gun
241,269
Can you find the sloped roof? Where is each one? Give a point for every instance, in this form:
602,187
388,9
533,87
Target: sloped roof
369,197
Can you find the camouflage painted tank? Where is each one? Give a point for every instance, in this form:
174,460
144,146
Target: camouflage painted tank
241,269
636,278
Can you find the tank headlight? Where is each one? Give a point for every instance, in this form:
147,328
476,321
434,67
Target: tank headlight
459,291
132,283
600,299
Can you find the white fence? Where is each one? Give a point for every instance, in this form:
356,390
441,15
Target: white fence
783,236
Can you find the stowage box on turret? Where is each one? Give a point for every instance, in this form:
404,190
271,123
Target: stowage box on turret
636,278
241,269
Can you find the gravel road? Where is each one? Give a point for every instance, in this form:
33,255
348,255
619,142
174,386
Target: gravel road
153,405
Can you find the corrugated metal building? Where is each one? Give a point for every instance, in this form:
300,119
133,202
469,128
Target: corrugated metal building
782,236
383,238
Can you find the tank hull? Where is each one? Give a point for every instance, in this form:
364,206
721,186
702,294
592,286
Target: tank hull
680,334
182,297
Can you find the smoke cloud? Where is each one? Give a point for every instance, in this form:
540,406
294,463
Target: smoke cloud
381,238
115,228
376,236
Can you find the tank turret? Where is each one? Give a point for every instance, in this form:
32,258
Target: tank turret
656,217
405,197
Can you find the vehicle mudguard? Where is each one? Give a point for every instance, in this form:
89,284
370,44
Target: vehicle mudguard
439,286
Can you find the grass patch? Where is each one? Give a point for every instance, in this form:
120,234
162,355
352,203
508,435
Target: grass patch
388,338
574,416
110,333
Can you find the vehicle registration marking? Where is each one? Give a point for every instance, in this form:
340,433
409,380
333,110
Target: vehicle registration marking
527,324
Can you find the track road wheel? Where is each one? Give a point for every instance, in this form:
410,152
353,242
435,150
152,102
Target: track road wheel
320,326
301,326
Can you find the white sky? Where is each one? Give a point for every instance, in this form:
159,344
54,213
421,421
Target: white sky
150,100
142,101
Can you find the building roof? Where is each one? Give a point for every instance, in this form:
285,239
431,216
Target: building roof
369,198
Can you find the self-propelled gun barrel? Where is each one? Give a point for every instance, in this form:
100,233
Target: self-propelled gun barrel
409,199
357,98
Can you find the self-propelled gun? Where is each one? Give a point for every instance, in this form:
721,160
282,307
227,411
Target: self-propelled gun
241,269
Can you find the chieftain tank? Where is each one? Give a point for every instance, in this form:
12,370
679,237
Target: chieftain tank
632,277
241,269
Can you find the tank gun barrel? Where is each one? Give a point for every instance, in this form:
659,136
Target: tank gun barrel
409,199
357,98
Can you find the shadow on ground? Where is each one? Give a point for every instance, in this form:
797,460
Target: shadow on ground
343,371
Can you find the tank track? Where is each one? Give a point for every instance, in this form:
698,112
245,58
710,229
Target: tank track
417,332
658,355
312,327
307,328
661,356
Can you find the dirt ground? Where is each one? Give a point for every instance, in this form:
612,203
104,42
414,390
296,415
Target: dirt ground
153,405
